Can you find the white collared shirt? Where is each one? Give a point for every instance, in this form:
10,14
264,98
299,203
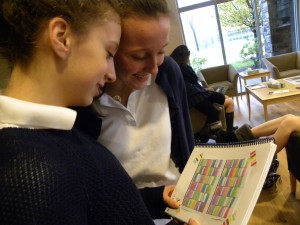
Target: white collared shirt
139,135
18,113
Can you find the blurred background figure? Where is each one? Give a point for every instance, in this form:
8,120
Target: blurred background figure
199,97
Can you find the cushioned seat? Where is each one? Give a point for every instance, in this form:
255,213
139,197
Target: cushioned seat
224,75
290,73
200,127
282,66
221,83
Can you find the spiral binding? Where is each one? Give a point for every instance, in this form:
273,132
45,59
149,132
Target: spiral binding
236,144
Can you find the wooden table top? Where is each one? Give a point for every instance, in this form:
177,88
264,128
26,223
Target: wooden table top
260,72
264,93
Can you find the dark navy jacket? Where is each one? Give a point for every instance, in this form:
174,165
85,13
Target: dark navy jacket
195,92
170,79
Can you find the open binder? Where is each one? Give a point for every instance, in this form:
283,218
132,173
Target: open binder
221,183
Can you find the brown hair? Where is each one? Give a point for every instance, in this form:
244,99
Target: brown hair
142,8
181,54
21,22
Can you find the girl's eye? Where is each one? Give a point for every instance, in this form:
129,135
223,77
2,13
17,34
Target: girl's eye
110,55
138,57
161,53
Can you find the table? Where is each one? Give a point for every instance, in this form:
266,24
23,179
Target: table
262,73
262,95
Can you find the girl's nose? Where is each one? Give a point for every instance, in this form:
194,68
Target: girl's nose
111,73
154,63
111,77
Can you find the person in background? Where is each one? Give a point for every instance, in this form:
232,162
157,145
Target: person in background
281,128
199,97
50,173
145,113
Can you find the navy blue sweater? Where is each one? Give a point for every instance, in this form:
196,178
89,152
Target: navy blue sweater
60,177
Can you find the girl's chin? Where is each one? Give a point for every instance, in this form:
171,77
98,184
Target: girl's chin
139,86
89,101
140,82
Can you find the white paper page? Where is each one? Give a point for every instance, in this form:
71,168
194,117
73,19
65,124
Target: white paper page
245,185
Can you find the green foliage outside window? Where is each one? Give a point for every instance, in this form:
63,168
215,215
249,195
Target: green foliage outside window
241,65
239,15
197,62
249,52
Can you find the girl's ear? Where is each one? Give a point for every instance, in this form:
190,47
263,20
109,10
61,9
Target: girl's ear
59,34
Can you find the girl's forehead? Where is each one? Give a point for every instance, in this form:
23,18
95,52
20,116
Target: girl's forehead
147,27
145,34
142,21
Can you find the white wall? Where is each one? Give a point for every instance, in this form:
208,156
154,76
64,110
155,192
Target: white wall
176,36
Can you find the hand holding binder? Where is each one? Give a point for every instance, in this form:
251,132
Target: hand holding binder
222,182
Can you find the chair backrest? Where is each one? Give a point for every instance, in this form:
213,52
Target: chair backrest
298,60
284,62
293,154
215,74
198,119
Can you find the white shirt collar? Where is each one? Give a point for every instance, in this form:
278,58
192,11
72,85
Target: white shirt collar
18,113
150,80
107,100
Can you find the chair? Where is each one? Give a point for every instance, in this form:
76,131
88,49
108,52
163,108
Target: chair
225,75
293,158
282,66
200,128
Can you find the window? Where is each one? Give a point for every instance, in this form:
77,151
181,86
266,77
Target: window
232,31
183,3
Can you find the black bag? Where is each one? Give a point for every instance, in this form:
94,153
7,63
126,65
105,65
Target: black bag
272,176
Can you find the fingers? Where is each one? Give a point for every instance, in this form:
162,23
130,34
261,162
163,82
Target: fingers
193,222
168,190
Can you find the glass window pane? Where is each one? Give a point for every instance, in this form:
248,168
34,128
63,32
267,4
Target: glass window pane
183,3
239,34
245,39
202,37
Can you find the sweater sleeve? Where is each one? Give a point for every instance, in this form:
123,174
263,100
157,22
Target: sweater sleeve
153,199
